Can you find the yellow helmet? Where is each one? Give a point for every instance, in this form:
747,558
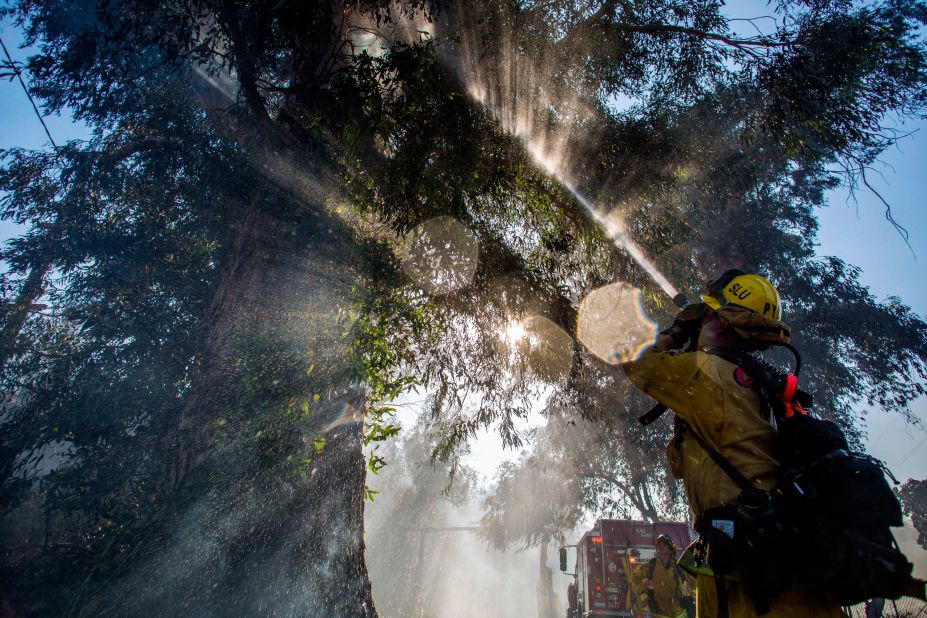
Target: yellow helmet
751,292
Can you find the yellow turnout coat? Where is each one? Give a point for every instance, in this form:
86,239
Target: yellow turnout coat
715,398
668,589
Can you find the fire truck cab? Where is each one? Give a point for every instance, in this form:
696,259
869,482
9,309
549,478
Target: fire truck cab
604,563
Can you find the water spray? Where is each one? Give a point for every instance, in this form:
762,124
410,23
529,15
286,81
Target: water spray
611,320
617,233
613,227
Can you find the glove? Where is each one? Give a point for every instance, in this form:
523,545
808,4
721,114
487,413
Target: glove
692,314
687,326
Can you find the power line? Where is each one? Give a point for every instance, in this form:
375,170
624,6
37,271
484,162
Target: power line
913,450
873,444
28,94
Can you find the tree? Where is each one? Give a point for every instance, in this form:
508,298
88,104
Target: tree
232,263
167,359
913,495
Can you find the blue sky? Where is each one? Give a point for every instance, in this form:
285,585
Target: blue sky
854,230
18,125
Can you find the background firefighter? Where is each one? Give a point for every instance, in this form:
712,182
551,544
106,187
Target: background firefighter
661,587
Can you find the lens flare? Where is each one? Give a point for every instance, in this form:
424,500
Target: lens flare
612,323
442,256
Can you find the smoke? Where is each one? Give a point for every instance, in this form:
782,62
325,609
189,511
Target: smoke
425,548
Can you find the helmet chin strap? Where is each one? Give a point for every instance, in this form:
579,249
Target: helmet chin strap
797,356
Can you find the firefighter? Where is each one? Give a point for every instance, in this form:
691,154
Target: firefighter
633,558
572,601
713,397
661,587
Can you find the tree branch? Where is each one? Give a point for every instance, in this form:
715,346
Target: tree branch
703,34
32,288
649,512
141,145
247,70
856,173
607,13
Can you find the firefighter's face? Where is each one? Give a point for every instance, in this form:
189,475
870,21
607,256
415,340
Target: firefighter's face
664,553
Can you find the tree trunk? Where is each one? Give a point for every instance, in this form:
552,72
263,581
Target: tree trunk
264,482
184,424
259,521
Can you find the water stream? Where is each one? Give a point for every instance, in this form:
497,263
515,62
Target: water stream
614,227
542,148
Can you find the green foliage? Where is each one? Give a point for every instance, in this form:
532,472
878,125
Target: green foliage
386,322
831,89
913,495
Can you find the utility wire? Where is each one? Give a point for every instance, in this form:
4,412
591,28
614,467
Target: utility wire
913,450
28,94
884,432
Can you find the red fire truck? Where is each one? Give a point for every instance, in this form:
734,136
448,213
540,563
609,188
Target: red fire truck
604,562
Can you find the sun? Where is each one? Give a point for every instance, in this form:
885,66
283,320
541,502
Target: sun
514,332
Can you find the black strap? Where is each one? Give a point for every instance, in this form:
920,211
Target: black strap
653,566
744,565
721,593
719,459
652,414
767,376
734,356
651,596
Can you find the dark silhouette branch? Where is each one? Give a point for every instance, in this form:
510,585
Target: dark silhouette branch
32,288
703,34
246,65
142,145
606,12
856,173
648,511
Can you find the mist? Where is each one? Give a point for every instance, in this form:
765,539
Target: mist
427,550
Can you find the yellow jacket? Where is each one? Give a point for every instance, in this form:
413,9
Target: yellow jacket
668,589
715,398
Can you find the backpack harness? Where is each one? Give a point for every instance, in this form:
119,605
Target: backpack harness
814,508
